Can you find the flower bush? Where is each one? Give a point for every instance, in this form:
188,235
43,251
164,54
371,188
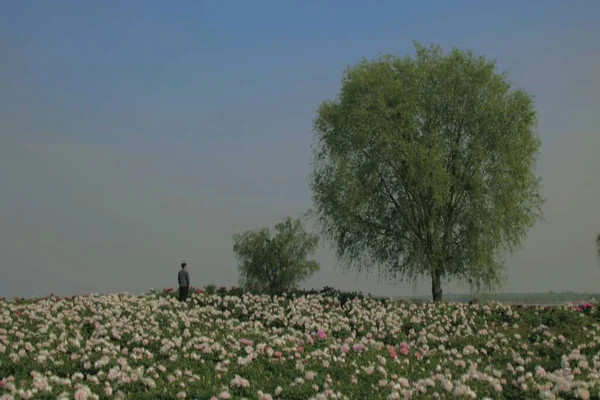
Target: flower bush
301,345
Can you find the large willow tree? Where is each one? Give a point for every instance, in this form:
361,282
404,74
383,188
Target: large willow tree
424,166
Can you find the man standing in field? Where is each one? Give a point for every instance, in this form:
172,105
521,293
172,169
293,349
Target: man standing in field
184,282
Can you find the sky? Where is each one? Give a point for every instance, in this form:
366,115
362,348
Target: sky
138,135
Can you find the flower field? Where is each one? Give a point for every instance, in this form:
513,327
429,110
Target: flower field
311,346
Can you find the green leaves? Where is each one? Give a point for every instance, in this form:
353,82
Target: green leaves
424,166
278,261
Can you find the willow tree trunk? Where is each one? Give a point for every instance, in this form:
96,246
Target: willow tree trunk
436,286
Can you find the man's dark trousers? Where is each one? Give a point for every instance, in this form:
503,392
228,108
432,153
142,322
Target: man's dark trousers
183,293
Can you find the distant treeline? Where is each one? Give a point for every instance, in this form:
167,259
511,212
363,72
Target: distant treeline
517,298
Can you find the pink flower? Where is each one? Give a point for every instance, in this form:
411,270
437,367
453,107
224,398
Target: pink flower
404,350
322,335
277,354
418,355
359,347
392,351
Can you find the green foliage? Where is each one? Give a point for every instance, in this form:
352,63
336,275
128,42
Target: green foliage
278,261
210,289
425,166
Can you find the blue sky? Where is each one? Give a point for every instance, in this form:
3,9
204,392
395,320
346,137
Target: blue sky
137,134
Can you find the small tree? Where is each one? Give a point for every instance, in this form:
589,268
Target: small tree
425,167
278,261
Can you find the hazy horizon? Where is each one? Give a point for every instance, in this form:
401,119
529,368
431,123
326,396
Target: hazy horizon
135,138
